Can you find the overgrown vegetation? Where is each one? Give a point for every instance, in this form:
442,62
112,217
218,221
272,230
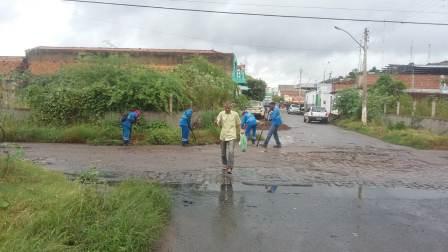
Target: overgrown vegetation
108,132
42,211
85,91
386,92
257,88
398,134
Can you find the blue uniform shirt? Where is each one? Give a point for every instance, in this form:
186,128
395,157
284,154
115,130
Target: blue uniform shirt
248,120
185,120
275,117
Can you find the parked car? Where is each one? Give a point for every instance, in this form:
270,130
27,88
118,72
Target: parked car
319,114
294,109
256,108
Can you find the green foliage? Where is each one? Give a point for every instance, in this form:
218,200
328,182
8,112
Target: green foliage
86,91
90,176
386,86
442,108
423,107
348,102
45,212
277,99
257,89
207,119
241,102
399,134
158,125
206,85
164,136
397,126
405,105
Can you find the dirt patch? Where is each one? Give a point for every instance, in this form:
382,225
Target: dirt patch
267,126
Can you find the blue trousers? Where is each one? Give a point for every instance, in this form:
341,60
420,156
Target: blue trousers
185,134
272,131
127,133
251,129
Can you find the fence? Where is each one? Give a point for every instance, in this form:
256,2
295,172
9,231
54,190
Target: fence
428,107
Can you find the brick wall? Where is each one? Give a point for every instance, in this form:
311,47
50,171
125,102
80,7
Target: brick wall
9,63
421,81
43,60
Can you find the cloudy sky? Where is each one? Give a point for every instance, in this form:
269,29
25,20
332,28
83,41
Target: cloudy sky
274,49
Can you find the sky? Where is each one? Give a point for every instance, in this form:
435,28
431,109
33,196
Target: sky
273,49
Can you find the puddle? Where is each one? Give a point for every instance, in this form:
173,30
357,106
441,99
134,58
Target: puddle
229,216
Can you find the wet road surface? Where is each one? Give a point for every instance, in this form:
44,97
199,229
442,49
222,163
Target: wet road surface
334,190
311,154
241,218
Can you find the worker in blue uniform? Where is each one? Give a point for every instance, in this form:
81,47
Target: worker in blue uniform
127,121
276,120
185,125
249,124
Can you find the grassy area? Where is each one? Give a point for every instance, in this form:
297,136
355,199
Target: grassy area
43,211
102,133
398,134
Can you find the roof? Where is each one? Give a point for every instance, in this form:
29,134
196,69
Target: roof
109,49
435,68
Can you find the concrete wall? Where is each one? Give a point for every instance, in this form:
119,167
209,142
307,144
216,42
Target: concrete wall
434,125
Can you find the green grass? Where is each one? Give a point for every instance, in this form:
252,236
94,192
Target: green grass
102,133
43,211
398,134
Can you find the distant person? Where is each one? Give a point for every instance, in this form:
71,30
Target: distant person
276,120
249,124
229,121
127,121
185,125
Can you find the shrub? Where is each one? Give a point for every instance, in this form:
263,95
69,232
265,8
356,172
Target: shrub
163,136
348,103
207,119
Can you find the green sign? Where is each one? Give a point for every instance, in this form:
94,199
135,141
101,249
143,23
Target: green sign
238,73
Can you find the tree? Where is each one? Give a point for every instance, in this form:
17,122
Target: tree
386,86
352,75
348,102
257,89
277,99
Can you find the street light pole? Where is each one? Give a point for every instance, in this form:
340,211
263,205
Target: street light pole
364,72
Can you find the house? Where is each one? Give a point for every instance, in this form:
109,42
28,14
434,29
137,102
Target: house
291,93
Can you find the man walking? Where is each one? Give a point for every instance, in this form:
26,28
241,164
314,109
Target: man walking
229,121
249,124
185,125
276,120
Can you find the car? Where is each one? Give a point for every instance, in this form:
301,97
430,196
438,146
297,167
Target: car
294,109
256,108
319,114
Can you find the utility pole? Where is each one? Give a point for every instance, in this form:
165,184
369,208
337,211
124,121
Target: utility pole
364,81
364,47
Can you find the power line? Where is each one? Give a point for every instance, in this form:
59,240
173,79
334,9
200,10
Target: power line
259,14
313,7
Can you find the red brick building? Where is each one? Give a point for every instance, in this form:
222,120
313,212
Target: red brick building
47,60
8,64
